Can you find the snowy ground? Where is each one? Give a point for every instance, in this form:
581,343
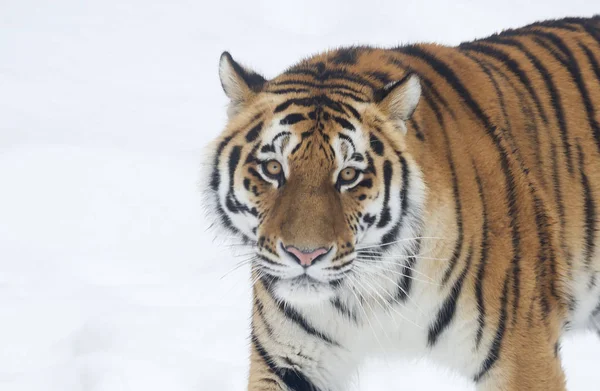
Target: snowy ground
108,279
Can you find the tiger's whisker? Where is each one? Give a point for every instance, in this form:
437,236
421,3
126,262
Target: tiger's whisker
360,305
237,266
398,241
368,272
395,301
408,256
431,280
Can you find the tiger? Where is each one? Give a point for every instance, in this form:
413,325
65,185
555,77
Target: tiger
419,200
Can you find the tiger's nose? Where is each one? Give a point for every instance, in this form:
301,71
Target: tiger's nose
305,257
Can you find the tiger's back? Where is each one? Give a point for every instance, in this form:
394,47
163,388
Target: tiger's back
500,159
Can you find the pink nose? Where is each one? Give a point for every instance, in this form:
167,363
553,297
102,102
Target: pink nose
305,258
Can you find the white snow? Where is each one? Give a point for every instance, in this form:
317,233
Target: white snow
108,278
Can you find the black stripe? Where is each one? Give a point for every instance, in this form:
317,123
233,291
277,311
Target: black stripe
393,234
557,194
265,259
251,157
283,91
328,87
376,144
351,109
255,174
562,24
344,123
347,56
385,216
558,55
357,157
589,209
234,159
344,310
299,320
320,73
297,381
371,164
382,77
263,354
494,352
446,313
545,273
347,95
230,200
254,132
261,314
216,176
448,74
215,181
596,312
514,67
418,132
405,284
429,99
457,211
591,59
267,148
368,183
572,66
592,29
318,101
291,119
369,219
483,259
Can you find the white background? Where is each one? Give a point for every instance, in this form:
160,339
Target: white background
108,278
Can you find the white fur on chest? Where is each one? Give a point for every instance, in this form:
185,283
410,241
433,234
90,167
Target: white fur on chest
400,330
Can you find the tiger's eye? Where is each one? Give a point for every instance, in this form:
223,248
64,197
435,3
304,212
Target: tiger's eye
348,174
273,167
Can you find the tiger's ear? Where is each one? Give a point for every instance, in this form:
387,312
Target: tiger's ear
399,99
239,83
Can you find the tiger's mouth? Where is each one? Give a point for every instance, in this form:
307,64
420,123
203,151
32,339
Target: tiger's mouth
302,286
305,279
303,289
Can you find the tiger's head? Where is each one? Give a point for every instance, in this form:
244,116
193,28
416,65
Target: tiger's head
313,171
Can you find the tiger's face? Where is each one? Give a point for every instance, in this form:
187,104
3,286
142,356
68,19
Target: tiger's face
317,181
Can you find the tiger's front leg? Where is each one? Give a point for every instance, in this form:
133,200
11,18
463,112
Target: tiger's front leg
286,357
262,376
528,363
266,375
281,374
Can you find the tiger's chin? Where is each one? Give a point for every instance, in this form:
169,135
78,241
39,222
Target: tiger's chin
303,290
